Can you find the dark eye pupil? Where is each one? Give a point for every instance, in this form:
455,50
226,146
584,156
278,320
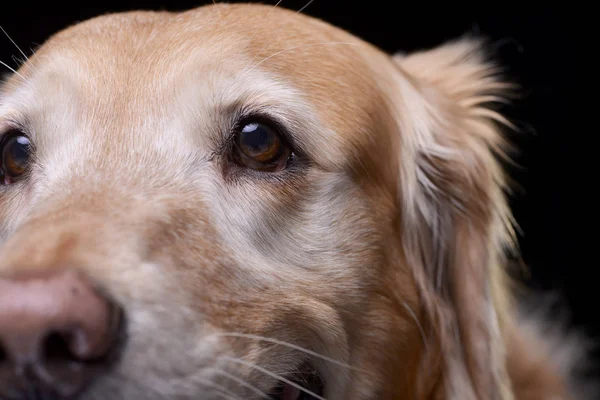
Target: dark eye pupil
261,146
19,149
15,156
257,139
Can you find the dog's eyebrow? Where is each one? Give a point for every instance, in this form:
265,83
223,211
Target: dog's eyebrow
19,98
231,95
12,120
291,112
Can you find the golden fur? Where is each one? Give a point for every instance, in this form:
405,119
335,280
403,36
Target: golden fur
386,252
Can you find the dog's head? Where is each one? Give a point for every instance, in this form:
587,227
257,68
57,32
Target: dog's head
273,205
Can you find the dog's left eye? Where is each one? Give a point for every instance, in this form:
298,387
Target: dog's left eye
261,147
14,157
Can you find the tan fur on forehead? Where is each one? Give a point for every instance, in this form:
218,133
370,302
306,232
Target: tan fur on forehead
383,252
145,55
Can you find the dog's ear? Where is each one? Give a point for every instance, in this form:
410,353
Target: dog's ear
455,217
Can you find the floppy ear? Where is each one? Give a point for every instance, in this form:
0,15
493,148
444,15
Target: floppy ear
455,218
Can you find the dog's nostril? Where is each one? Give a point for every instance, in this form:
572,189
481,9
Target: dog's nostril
60,351
57,348
3,355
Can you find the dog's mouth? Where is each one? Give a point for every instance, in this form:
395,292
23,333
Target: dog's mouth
306,384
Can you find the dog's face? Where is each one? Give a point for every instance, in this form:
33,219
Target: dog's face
265,197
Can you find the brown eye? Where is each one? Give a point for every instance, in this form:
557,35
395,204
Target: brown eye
14,158
261,147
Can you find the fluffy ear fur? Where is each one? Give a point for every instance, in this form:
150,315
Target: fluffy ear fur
456,222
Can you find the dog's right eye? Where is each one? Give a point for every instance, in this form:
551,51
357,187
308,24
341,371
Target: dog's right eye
15,152
260,146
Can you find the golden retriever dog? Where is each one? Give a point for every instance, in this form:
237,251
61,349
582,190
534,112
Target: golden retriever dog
243,202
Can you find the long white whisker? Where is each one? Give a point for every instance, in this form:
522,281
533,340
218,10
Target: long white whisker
306,5
123,380
273,375
286,344
242,382
298,47
12,70
13,42
220,389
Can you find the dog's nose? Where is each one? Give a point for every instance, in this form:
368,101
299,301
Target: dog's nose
57,333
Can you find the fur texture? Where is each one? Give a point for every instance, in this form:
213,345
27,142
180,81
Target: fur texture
380,257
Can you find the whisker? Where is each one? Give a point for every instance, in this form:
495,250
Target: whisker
273,375
264,45
305,6
12,70
122,380
298,47
218,12
220,389
242,382
14,43
289,345
17,60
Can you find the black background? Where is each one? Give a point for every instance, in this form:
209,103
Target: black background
542,50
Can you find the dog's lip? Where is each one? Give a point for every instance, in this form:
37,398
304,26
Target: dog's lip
307,380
